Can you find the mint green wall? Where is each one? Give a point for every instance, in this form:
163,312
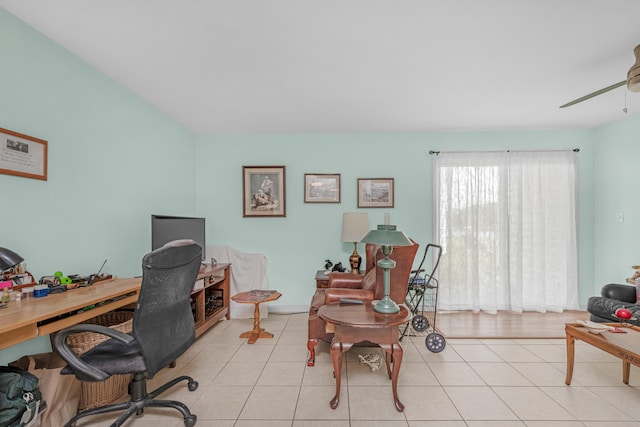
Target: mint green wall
113,161
297,245
616,191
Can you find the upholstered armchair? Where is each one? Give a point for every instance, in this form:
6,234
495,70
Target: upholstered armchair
367,287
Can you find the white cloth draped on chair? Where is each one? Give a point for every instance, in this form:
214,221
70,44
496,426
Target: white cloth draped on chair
248,272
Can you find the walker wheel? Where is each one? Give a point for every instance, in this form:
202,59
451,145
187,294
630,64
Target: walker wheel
435,342
419,323
191,420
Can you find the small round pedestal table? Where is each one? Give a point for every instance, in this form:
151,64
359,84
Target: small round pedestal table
256,297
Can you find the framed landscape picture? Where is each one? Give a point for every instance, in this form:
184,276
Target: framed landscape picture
23,155
375,192
263,189
321,188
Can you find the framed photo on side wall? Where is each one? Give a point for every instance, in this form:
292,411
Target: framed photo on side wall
375,192
263,191
322,188
22,155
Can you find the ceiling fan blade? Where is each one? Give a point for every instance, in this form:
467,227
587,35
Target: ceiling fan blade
596,93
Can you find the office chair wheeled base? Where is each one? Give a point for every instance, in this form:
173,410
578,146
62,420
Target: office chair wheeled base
141,399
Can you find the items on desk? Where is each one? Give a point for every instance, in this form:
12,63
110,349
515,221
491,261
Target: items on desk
9,259
10,279
40,291
48,280
58,282
13,269
13,287
53,284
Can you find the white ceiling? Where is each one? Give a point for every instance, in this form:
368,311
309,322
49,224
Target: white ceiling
356,65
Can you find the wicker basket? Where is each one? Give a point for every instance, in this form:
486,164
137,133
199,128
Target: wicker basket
96,394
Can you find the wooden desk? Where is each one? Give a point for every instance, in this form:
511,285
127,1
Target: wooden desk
28,318
360,322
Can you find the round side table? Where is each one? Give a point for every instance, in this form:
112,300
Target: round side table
256,297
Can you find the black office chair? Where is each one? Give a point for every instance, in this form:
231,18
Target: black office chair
163,328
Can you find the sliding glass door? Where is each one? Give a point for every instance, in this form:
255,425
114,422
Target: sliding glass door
507,224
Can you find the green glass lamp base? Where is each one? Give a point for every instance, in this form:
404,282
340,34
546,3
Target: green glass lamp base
386,306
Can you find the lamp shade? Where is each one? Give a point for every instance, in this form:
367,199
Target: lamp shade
8,259
387,235
355,225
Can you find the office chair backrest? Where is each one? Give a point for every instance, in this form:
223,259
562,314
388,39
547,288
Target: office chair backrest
163,322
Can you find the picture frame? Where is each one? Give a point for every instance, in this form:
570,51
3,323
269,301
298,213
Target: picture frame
322,188
22,155
375,192
263,191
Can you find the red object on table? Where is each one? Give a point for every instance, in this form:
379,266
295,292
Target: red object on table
623,313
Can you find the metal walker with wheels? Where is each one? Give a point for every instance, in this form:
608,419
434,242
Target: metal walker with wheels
422,300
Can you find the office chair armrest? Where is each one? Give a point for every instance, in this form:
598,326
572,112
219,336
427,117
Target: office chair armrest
84,371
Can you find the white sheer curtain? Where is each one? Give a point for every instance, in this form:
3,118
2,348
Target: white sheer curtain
507,225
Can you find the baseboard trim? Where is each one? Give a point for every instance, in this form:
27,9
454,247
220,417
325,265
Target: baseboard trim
288,309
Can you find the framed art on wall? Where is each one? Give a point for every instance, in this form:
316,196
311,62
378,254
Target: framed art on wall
322,188
22,155
375,192
263,191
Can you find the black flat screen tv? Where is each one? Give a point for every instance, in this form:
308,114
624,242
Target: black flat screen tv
167,228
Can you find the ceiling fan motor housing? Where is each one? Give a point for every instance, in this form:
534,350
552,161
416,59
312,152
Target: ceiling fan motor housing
633,76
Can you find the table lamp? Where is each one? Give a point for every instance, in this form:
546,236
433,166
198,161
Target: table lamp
387,237
9,259
355,226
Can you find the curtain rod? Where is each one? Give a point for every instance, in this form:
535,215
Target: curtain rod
575,150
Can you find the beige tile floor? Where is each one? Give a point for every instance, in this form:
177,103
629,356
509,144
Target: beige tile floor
471,383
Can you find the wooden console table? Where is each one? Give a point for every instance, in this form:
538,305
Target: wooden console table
625,346
211,296
355,323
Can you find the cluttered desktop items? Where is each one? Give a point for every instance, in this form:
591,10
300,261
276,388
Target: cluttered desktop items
16,282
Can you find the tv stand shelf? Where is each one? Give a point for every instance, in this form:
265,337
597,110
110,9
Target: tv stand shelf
211,296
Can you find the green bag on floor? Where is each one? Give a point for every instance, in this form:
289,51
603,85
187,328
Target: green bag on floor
20,398
61,392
